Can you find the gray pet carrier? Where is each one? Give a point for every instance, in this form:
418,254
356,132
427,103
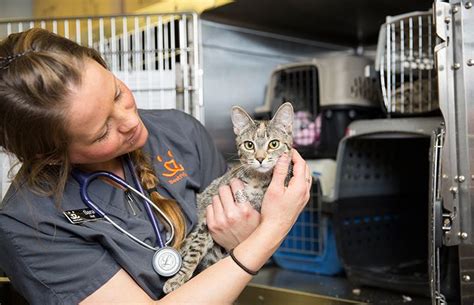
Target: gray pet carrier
327,93
381,202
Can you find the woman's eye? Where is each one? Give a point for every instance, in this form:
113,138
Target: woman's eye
248,145
274,144
103,137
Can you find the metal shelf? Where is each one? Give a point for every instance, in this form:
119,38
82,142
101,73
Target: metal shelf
276,286
346,22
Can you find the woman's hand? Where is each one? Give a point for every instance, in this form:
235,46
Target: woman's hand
230,222
281,205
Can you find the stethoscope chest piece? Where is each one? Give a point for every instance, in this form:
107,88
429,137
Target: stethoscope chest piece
167,261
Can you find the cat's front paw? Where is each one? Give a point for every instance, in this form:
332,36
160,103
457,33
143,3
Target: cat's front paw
173,283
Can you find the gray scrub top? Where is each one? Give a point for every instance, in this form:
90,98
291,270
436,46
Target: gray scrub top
51,261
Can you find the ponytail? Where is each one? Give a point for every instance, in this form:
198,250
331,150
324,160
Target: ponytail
169,207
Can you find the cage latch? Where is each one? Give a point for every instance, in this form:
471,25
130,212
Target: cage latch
447,222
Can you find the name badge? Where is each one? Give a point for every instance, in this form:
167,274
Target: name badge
82,215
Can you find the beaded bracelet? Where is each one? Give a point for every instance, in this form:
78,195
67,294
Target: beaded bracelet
251,272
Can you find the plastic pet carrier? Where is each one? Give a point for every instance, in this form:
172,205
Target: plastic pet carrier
310,245
406,66
327,94
381,205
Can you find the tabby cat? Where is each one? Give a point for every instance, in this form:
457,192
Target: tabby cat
259,145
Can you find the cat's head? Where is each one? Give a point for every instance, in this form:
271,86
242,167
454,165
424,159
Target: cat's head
260,143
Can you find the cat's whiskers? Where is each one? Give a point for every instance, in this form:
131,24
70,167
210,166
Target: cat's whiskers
244,170
233,158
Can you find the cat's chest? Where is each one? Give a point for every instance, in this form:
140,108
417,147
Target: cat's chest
255,189
255,185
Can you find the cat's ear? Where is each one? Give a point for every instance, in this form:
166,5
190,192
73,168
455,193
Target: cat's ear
283,118
241,119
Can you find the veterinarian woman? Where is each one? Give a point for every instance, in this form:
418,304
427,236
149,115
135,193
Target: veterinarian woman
61,109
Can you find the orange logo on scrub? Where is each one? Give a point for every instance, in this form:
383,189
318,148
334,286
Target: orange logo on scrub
173,169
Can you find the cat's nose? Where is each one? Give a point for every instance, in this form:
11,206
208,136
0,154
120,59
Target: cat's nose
260,159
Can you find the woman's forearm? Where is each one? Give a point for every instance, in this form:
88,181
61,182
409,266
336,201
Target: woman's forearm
223,282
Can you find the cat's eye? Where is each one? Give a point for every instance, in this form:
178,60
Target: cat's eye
248,145
274,144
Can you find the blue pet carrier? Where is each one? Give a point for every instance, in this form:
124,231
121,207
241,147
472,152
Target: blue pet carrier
310,245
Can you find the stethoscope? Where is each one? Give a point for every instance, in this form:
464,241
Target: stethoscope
166,260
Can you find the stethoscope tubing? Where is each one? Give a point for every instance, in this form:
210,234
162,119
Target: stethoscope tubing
146,203
84,180
162,245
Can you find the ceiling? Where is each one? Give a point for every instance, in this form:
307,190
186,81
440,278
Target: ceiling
345,22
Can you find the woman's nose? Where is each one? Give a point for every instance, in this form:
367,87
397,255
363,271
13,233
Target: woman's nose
127,120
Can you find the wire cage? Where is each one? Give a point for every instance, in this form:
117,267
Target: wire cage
405,64
156,55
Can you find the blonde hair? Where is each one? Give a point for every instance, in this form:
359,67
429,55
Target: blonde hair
149,181
38,68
